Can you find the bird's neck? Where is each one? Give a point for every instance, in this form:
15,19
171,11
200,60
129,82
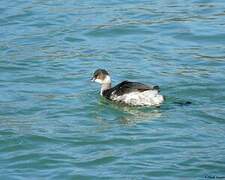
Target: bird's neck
104,87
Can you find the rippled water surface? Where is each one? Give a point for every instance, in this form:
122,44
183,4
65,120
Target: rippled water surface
55,125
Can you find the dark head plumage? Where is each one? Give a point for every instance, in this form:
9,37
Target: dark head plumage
100,74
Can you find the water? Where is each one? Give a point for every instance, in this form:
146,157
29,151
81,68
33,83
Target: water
54,124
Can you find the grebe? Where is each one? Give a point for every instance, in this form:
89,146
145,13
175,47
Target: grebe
126,92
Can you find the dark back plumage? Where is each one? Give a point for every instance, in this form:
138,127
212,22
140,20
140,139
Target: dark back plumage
128,87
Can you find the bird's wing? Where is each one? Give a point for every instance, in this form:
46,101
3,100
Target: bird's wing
127,87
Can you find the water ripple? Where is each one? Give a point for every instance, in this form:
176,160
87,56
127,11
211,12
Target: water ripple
53,122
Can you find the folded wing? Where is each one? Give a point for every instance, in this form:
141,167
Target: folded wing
128,87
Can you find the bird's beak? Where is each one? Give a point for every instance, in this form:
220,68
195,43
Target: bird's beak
92,79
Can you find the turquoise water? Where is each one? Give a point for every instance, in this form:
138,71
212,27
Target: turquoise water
54,124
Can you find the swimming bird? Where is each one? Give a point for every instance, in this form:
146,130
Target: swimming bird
126,92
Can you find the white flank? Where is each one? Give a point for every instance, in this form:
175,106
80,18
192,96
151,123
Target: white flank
146,98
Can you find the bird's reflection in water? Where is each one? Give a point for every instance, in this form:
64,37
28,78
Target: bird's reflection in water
133,115
127,115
